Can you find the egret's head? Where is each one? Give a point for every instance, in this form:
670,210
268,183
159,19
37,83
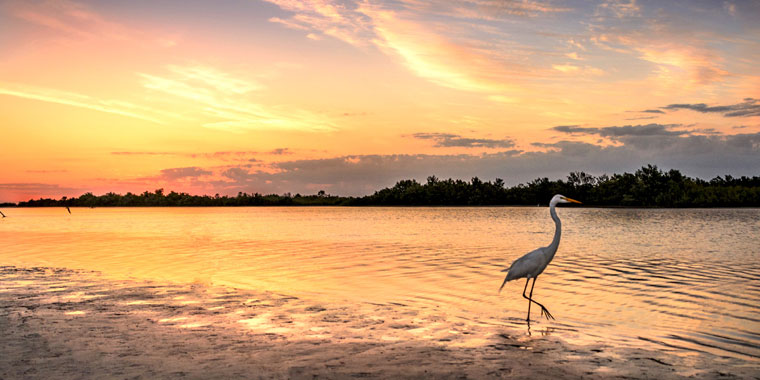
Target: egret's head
562,199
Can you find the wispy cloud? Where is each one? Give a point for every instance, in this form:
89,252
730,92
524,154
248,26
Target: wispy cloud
491,10
47,171
327,18
700,65
76,20
244,155
280,151
227,102
418,45
68,17
437,58
652,137
73,99
32,186
127,153
618,8
179,173
626,130
448,140
218,100
448,42
678,52
749,107
22,191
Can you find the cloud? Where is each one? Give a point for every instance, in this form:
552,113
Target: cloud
474,46
432,55
349,175
112,106
653,137
491,10
46,171
428,49
626,130
144,153
31,186
77,21
448,140
70,18
23,191
342,21
749,107
642,137
704,156
227,155
653,111
354,22
618,8
220,101
679,53
280,151
673,62
180,173
227,101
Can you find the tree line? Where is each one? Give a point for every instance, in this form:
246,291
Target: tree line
647,187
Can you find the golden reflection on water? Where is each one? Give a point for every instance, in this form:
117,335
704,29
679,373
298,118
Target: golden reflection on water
681,280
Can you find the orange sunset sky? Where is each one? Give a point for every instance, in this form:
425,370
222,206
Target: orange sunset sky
350,96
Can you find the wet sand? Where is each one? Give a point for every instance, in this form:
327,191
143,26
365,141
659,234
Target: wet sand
64,324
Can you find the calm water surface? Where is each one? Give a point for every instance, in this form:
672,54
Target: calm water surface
684,281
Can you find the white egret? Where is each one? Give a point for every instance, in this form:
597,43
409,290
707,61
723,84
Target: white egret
533,263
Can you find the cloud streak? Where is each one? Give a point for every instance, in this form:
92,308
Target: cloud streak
181,173
433,56
73,20
448,140
22,191
447,60
226,102
623,131
749,107
227,155
116,107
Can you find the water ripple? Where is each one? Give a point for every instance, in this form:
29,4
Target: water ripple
624,277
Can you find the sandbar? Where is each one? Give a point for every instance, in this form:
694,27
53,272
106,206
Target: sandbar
73,324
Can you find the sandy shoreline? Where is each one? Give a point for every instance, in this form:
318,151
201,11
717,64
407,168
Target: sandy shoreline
58,323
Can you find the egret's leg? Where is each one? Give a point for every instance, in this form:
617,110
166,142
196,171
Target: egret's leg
544,311
526,297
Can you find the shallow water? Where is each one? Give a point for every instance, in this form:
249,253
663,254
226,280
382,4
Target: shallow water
681,281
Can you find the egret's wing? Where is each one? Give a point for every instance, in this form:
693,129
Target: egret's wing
525,265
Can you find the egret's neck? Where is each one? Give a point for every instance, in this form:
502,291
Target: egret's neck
557,232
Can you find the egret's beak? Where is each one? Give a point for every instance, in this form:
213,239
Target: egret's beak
571,200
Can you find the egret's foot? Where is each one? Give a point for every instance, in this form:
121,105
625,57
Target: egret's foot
546,313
